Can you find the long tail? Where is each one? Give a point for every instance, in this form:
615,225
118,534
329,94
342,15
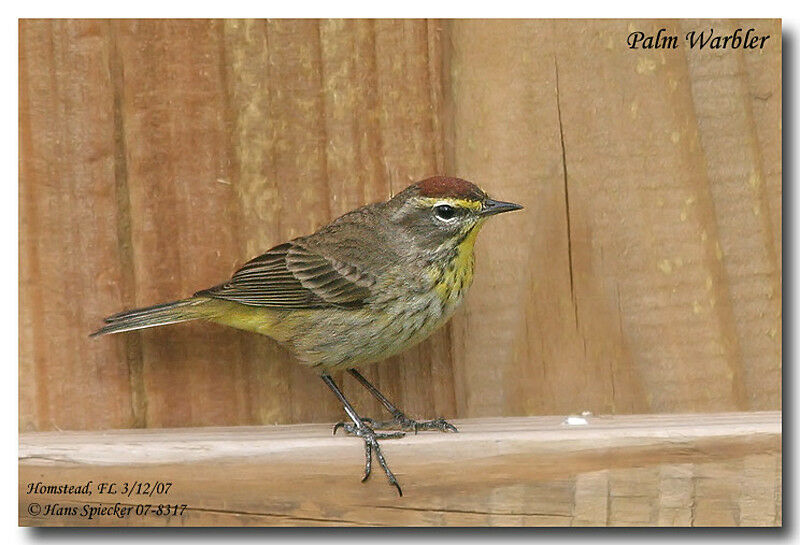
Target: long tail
166,313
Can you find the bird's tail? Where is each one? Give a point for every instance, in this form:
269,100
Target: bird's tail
166,313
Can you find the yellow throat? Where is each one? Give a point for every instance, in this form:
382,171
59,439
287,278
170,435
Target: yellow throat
455,278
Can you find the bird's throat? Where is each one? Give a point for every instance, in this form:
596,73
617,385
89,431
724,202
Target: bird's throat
453,277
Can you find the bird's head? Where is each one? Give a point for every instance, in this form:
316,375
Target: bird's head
440,213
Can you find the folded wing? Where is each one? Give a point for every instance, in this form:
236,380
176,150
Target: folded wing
291,276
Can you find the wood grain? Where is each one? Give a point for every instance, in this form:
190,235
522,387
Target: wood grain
157,156
663,470
657,272
69,245
742,201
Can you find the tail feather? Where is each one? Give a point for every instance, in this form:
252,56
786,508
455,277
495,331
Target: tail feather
163,314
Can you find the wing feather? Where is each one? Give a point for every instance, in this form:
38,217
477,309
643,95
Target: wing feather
291,276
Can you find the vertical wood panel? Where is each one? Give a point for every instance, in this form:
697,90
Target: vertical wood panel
638,197
299,163
535,336
247,74
640,178
409,80
730,143
184,221
69,262
315,114
764,82
763,77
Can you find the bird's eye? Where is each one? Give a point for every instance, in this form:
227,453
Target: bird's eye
444,211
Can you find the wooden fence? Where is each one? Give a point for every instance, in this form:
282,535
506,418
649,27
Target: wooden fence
643,276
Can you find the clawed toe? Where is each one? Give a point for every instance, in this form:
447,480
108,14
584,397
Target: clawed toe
353,430
438,424
401,421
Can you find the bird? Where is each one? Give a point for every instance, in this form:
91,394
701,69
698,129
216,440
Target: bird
370,284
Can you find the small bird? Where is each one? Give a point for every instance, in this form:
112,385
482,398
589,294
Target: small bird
365,287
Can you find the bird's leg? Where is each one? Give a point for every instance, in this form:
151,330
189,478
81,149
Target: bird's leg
370,437
399,420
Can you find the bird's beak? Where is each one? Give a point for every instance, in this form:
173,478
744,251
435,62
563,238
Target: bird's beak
492,207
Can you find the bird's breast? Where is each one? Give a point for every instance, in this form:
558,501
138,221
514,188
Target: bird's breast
452,281
452,277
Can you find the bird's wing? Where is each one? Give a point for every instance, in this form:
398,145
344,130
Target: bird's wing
291,276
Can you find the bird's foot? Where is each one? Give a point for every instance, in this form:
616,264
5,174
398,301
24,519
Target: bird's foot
401,421
371,445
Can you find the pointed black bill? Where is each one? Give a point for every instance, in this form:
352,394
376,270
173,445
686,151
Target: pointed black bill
492,207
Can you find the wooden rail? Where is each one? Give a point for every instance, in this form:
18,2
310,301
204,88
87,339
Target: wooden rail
704,469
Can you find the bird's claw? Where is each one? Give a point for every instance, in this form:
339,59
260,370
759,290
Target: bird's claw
367,432
352,429
404,423
371,445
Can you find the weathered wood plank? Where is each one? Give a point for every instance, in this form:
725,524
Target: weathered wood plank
645,234
730,139
183,222
714,469
70,265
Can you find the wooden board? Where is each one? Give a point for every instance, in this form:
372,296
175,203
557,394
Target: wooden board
157,156
665,470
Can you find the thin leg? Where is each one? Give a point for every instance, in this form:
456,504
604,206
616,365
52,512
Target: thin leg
399,419
360,429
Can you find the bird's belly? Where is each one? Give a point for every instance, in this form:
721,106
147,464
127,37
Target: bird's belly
334,338
340,339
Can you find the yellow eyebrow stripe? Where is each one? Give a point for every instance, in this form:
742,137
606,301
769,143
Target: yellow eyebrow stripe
456,203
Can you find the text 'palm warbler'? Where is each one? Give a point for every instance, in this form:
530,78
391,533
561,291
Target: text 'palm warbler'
370,284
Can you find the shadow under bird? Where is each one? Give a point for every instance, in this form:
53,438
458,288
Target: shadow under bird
370,284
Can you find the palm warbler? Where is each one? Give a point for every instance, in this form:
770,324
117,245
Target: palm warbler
370,284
